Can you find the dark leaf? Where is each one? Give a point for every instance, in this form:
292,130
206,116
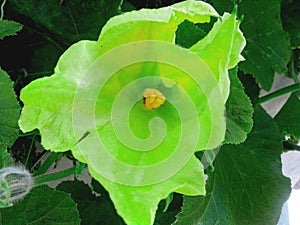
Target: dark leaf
93,210
43,205
238,112
290,19
247,186
188,34
268,47
288,118
50,27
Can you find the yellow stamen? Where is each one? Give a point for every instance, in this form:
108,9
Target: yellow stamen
153,98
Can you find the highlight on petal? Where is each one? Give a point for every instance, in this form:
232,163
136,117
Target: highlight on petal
154,24
139,154
221,49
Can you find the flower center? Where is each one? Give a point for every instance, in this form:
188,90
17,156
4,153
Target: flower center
153,98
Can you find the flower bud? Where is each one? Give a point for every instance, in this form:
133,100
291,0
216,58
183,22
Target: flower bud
15,183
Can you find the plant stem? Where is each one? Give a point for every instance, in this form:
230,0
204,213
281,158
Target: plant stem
41,157
48,162
30,150
2,10
46,178
291,146
282,91
292,69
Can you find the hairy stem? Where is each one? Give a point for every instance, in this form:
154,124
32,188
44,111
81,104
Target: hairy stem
48,162
30,150
282,91
2,10
46,178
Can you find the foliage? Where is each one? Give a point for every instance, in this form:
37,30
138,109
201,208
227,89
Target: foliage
9,28
75,41
89,204
9,112
43,205
267,43
289,122
249,184
238,112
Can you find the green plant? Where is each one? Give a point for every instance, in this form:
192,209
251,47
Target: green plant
190,66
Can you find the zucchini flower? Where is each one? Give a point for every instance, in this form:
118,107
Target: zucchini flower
135,106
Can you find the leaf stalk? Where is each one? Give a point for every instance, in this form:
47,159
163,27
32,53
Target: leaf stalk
46,178
278,93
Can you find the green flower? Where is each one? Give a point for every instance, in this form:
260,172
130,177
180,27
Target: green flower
136,107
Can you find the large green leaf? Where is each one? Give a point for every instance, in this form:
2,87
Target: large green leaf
9,112
268,48
9,28
43,205
94,105
288,118
247,186
238,112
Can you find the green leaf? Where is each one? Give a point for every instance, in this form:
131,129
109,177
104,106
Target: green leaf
50,27
288,118
69,21
5,158
9,112
290,15
163,217
268,47
43,205
127,6
9,28
251,88
92,210
94,105
247,186
238,112
194,34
